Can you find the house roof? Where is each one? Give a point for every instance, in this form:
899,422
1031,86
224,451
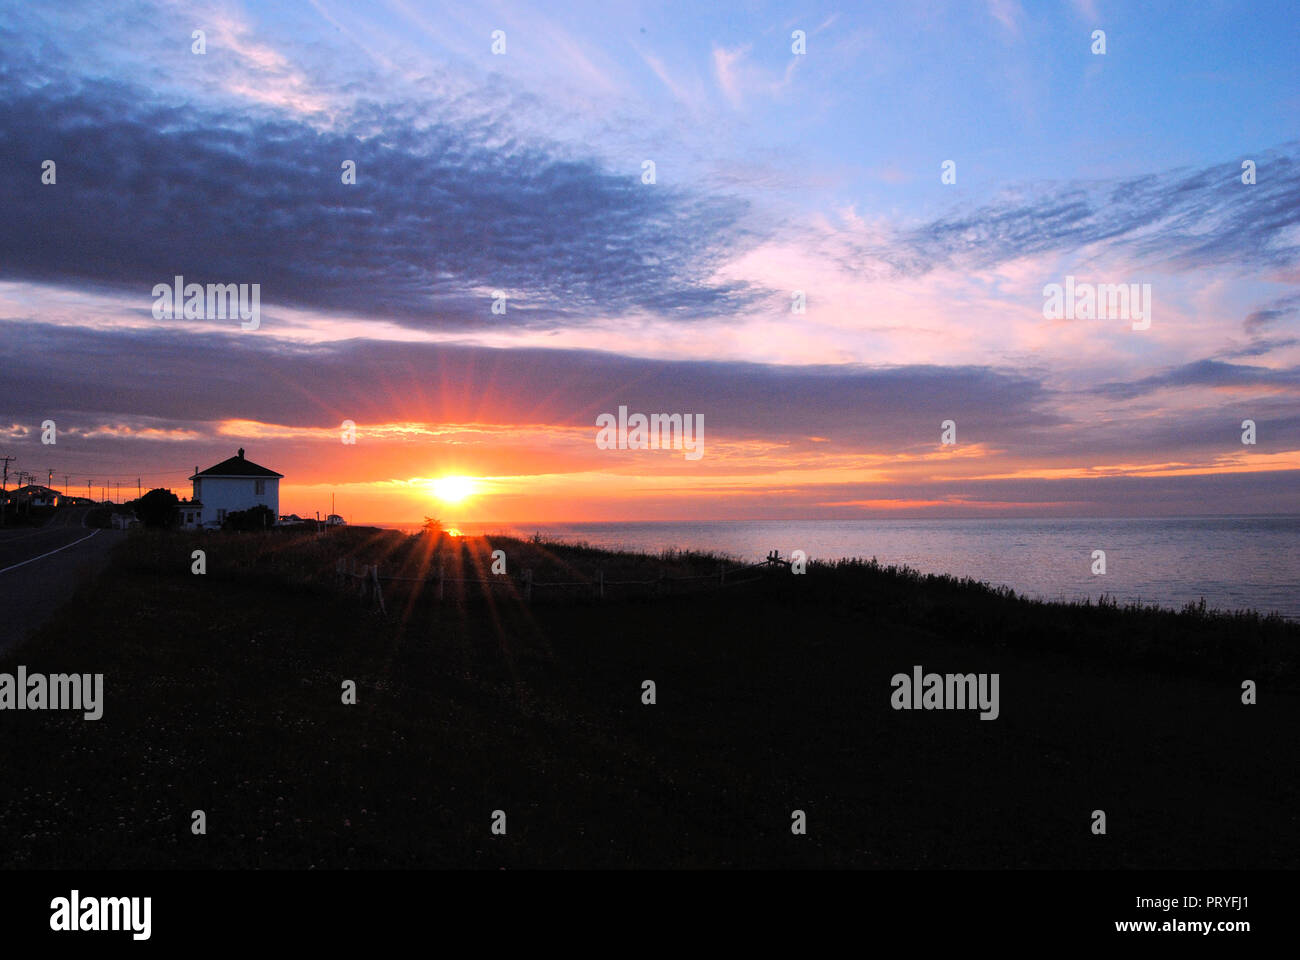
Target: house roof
36,490
237,466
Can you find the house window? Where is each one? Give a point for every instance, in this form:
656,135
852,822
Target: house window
259,487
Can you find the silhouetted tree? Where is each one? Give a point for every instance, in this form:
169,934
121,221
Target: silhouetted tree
158,508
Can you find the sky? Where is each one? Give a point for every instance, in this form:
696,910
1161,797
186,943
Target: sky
799,153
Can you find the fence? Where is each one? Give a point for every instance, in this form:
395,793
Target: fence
368,581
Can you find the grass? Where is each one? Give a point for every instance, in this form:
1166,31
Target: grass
223,693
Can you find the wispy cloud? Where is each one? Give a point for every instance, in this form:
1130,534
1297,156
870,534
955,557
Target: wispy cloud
726,68
1009,13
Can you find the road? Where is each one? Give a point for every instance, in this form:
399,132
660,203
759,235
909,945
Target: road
41,568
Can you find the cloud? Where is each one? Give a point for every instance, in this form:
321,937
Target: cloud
691,96
1178,220
726,68
1270,314
738,76
1008,13
454,202
1208,373
293,384
448,207
259,72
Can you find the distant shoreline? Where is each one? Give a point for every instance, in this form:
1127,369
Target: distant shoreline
394,524
1233,562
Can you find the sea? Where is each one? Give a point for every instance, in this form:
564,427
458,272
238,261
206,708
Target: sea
1234,563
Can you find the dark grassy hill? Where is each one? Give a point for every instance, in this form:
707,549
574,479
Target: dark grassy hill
223,693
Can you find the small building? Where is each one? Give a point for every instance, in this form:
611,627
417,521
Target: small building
191,513
229,486
34,495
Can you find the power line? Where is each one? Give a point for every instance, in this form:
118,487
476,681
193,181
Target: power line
124,477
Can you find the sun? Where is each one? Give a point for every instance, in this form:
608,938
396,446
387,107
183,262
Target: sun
452,489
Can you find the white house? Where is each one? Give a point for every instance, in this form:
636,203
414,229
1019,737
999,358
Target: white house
231,485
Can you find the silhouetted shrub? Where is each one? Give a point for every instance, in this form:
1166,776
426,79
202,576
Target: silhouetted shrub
259,517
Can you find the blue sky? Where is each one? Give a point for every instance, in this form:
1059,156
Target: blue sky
775,172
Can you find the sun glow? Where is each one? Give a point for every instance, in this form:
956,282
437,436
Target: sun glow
452,489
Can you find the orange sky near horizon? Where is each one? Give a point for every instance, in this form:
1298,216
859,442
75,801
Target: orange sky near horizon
398,473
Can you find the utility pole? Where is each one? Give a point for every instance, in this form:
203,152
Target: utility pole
4,488
22,479
118,498
88,496
138,494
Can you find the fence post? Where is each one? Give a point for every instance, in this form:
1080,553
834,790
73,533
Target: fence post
528,585
442,579
722,574
600,584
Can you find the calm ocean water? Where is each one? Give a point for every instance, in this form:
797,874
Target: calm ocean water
1233,562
